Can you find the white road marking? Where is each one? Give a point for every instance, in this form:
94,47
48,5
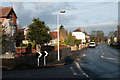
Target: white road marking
108,58
102,56
78,66
73,71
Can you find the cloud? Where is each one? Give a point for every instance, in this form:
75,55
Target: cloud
60,0
94,16
106,27
44,11
101,24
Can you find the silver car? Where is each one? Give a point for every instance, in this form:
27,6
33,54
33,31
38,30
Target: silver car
92,44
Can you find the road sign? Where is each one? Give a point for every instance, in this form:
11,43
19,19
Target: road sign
40,54
46,54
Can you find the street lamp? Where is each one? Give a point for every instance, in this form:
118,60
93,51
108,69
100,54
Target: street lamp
58,34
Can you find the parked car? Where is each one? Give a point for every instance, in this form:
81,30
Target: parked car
16,54
96,44
92,44
115,43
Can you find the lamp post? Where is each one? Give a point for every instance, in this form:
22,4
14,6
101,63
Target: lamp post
58,34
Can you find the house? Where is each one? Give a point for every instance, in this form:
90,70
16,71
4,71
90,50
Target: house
20,36
7,15
54,37
87,37
79,35
25,33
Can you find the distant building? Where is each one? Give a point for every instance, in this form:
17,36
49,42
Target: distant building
25,33
78,34
54,37
87,37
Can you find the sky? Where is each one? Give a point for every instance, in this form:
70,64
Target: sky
86,15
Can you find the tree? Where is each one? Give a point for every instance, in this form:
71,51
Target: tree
63,32
70,40
77,42
4,41
39,32
61,42
61,27
92,38
98,35
111,36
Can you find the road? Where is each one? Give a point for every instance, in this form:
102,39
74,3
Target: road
99,62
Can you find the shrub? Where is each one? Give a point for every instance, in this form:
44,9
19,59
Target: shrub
32,44
23,45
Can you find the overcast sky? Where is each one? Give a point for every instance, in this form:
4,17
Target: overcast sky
87,15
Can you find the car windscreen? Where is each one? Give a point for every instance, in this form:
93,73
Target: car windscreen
92,43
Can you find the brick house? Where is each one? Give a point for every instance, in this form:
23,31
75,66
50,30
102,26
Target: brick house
7,13
54,38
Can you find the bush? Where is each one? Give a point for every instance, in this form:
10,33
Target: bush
47,48
23,45
33,44
30,44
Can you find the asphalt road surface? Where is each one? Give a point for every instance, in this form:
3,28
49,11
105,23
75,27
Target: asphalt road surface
100,62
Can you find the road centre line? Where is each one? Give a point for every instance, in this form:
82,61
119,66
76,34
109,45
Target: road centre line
102,56
108,58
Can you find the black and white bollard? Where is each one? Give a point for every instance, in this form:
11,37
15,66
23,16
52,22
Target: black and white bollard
46,54
40,54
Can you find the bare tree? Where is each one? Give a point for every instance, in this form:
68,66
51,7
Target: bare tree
98,36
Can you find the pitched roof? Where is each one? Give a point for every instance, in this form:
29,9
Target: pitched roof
4,11
77,30
27,29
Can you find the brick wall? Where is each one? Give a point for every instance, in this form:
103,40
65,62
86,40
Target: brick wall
25,50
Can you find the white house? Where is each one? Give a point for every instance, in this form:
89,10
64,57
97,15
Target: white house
78,34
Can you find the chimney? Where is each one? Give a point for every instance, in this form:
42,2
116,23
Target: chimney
83,31
79,28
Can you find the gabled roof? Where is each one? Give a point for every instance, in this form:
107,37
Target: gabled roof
77,30
4,11
27,29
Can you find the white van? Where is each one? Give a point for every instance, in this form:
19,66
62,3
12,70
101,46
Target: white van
92,44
